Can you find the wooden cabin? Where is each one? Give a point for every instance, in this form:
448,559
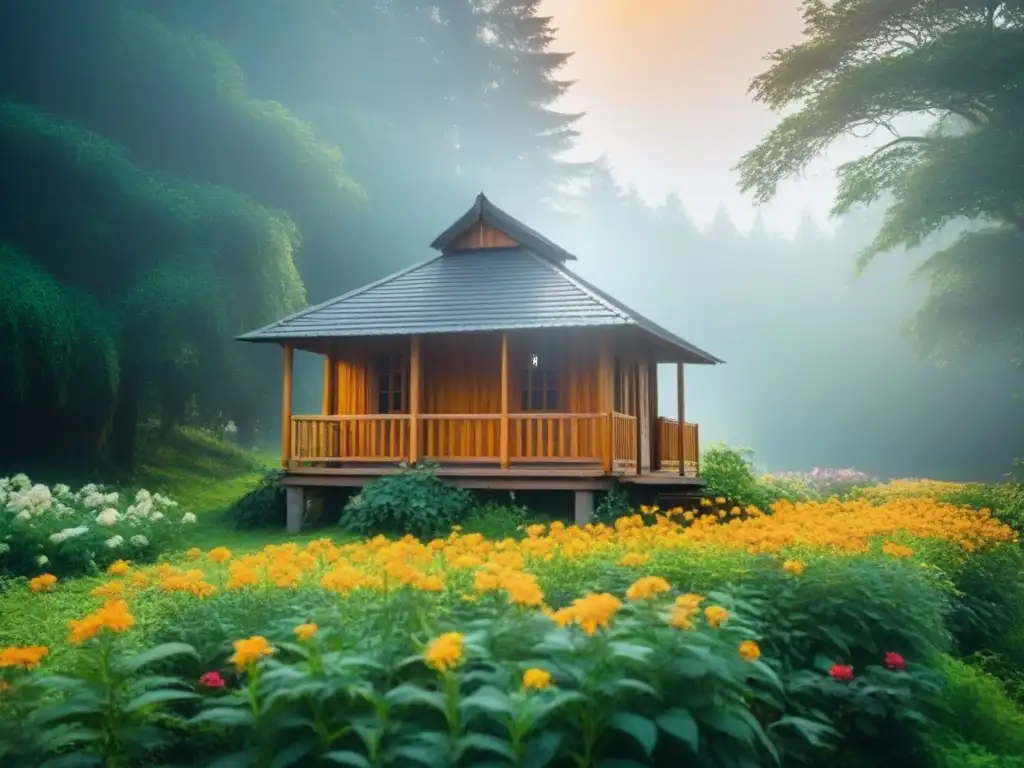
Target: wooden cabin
493,360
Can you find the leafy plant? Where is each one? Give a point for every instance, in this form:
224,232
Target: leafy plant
497,521
262,507
413,501
614,505
729,473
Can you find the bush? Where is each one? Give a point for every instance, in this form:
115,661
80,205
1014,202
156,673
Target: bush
497,521
414,501
262,507
614,505
69,533
729,474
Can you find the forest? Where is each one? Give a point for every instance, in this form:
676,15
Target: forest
176,173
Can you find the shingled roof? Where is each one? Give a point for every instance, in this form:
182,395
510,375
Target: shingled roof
492,289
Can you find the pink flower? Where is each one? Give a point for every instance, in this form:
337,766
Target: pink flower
212,680
895,661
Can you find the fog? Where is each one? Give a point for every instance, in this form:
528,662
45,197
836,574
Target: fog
231,151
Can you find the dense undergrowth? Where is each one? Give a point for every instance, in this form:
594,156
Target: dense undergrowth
765,624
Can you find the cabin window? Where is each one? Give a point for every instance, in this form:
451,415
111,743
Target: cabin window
391,383
541,385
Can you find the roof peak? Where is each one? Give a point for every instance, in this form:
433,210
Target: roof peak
483,210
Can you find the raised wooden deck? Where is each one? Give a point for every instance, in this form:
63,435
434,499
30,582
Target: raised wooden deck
541,450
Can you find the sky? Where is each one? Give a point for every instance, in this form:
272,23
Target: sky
690,119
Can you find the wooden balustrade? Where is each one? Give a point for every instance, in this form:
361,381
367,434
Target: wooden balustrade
609,439
453,437
668,446
378,437
624,443
540,437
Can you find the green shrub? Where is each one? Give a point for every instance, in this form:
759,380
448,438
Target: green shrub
1005,500
729,473
69,533
614,505
262,507
497,521
975,723
413,501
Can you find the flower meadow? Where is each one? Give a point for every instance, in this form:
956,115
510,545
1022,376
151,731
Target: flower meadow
812,633
66,532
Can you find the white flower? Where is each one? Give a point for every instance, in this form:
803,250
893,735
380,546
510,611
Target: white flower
24,515
58,537
42,560
143,495
94,499
114,542
68,533
163,501
4,548
21,481
156,516
139,540
108,516
61,490
111,498
188,517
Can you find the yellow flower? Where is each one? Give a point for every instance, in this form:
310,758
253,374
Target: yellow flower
536,679
28,657
114,616
109,591
632,559
795,567
219,555
306,631
193,553
595,611
119,568
44,583
720,500
896,550
716,616
647,587
749,650
522,589
445,652
250,650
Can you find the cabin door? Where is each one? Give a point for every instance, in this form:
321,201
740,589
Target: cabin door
643,414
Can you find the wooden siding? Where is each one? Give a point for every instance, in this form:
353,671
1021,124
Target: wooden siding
602,415
668,446
481,235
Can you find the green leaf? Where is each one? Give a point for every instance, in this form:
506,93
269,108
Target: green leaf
643,730
680,724
407,695
481,742
224,716
56,712
542,750
158,697
728,723
631,651
73,761
347,757
487,699
157,653
65,735
292,754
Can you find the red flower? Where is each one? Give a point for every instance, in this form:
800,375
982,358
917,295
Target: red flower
212,680
841,672
895,661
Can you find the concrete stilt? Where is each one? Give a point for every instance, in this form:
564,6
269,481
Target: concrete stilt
584,507
295,504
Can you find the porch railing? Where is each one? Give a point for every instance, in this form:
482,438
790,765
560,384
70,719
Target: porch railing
668,446
609,439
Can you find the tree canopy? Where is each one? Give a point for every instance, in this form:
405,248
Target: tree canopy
941,81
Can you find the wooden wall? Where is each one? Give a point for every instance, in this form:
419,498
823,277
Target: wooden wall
462,372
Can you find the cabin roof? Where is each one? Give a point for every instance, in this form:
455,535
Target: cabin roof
494,289
486,211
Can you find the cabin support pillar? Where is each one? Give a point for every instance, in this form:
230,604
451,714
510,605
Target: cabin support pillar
295,508
680,389
286,407
415,389
584,508
327,407
652,383
606,400
503,431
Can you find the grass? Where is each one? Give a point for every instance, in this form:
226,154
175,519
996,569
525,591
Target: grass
205,475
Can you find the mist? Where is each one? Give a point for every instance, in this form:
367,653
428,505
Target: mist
314,147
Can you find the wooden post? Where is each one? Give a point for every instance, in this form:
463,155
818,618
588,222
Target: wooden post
606,398
286,407
638,413
328,386
609,438
415,388
652,382
682,415
503,431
